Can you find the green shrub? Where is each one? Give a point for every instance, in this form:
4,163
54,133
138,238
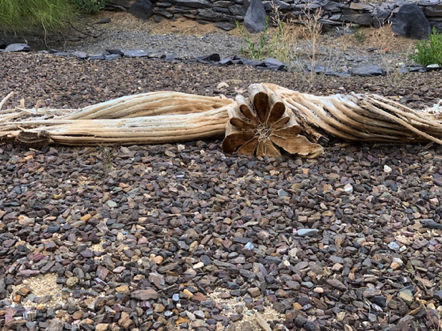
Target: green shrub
429,51
25,14
360,36
89,6
254,51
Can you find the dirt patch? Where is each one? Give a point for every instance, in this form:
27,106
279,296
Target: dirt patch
236,306
41,286
183,26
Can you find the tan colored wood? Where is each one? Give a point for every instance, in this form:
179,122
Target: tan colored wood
272,119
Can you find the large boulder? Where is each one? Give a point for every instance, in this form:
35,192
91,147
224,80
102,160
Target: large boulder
410,22
141,9
255,18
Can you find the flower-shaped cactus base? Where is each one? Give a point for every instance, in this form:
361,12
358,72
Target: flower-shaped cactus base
262,126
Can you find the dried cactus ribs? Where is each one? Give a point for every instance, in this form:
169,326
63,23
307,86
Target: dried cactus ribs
261,124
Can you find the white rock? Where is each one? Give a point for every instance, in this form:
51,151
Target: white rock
387,169
222,85
348,188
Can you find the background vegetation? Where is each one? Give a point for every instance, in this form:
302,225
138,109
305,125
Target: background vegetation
19,15
429,51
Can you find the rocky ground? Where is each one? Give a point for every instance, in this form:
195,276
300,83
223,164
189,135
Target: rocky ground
181,236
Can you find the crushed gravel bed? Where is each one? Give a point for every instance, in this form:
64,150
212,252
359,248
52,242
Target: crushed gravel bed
181,236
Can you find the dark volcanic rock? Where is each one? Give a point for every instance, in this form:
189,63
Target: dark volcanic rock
194,3
141,9
254,21
410,22
368,71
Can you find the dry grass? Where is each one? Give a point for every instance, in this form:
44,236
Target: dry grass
383,38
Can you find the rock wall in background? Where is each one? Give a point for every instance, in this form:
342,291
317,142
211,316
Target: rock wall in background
335,13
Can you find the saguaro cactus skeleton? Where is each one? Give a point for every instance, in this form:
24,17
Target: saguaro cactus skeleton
270,120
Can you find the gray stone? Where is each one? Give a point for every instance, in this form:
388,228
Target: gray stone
438,295
226,60
80,55
181,10
274,64
308,284
112,56
417,68
226,26
315,4
433,66
393,245
334,7
210,15
194,3
170,57
237,10
336,17
221,10
433,11
380,16
17,48
368,71
118,3
141,9
282,6
96,57
163,4
223,3
307,232
255,18
135,53
114,51
353,16
253,63
411,22
162,12
207,58
360,6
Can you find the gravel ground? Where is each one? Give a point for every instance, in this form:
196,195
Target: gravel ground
183,237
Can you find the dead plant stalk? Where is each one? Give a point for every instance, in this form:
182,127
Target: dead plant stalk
312,33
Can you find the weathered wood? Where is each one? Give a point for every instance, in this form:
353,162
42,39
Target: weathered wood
271,119
181,117
361,117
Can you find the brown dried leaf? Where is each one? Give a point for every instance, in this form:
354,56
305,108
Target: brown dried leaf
276,112
249,147
235,140
245,109
287,133
280,123
271,150
239,123
261,103
298,145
